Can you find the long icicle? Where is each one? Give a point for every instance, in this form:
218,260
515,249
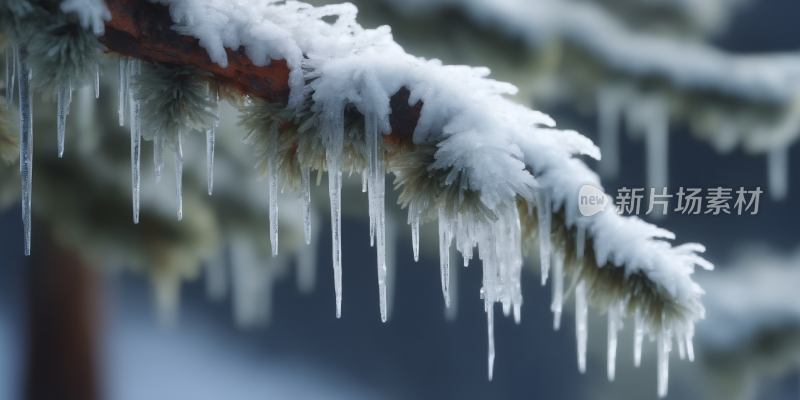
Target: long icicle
558,288
609,110
544,215
273,195
581,324
11,63
179,176
334,133
210,133
136,145
444,255
306,181
638,336
158,155
490,323
689,345
376,188
210,138
614,325
664,347
414,231
26,141
123,89
97,81
63,104
778,172
657,148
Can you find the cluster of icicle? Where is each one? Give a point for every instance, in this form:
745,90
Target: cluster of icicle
472,158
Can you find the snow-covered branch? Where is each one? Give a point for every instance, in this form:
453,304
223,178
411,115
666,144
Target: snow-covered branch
349,99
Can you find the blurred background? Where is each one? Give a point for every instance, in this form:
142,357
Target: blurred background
677,93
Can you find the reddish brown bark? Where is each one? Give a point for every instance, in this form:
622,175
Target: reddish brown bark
141,29
62,326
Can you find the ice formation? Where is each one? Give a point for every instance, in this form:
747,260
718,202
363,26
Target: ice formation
470,163
25,140
11,63
136,142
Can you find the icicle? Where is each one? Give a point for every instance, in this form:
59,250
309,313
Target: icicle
97,81
376,187
335,189
158,155
273,200
609,110
306,204
558,288
123,89
450,313
444,255
63,104
333,133
778,172
638,336
210,158
414,232
26,141
364,181
11,63
136,151
689,345
581,324
391,262
580,241
657,144
210,133
679,337
179,176
307,260
136,144
614,325
664,347
490,320
544,215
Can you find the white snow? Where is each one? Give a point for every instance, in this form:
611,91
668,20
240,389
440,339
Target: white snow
685,64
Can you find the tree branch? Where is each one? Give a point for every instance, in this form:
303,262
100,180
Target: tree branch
142,29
